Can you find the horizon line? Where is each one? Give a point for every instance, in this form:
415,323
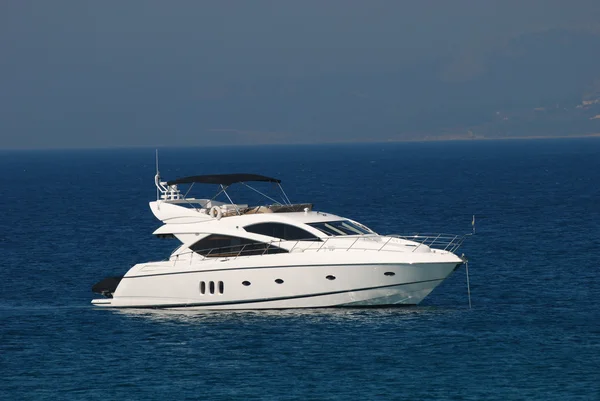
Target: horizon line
340,142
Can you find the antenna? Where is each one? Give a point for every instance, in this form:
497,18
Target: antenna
157,162
157,178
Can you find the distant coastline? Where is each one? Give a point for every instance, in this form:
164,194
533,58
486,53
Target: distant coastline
332,142
483,138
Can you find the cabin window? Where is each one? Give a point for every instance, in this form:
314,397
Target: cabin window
165,236
341,227
283,231
216,245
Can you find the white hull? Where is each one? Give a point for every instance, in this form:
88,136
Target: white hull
302,287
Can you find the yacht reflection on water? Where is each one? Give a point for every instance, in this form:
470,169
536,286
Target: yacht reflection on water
361,314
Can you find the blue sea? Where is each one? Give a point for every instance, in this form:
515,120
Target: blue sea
72,217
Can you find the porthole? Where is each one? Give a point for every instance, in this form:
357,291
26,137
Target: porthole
245,283
212,287
330,277
389,273
202,287
221,287
279,281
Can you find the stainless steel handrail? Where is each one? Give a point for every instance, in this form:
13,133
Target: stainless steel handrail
444,242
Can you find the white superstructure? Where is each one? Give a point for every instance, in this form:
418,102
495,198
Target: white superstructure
282,255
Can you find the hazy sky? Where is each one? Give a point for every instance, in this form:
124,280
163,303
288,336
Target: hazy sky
159,73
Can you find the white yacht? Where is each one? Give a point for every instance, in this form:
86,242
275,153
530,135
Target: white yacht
277,255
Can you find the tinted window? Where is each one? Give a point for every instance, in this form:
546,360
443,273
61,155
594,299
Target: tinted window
165,236
216,245
341,227
283,231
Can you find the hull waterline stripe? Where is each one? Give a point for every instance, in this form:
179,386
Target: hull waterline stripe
251,301
288,266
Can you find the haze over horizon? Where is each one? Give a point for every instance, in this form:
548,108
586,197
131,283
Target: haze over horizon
121,74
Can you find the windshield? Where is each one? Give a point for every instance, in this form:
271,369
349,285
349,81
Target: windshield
340,227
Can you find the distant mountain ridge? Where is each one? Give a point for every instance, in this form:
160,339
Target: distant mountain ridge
538,84
542,84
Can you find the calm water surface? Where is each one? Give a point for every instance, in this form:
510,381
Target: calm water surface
70,218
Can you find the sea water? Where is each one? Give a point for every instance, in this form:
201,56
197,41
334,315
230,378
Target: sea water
72,217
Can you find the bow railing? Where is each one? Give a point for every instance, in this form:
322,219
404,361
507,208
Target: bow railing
445,242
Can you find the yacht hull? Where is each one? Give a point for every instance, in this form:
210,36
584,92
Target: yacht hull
280,287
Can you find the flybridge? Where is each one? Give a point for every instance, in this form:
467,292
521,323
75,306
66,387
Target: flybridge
168,191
